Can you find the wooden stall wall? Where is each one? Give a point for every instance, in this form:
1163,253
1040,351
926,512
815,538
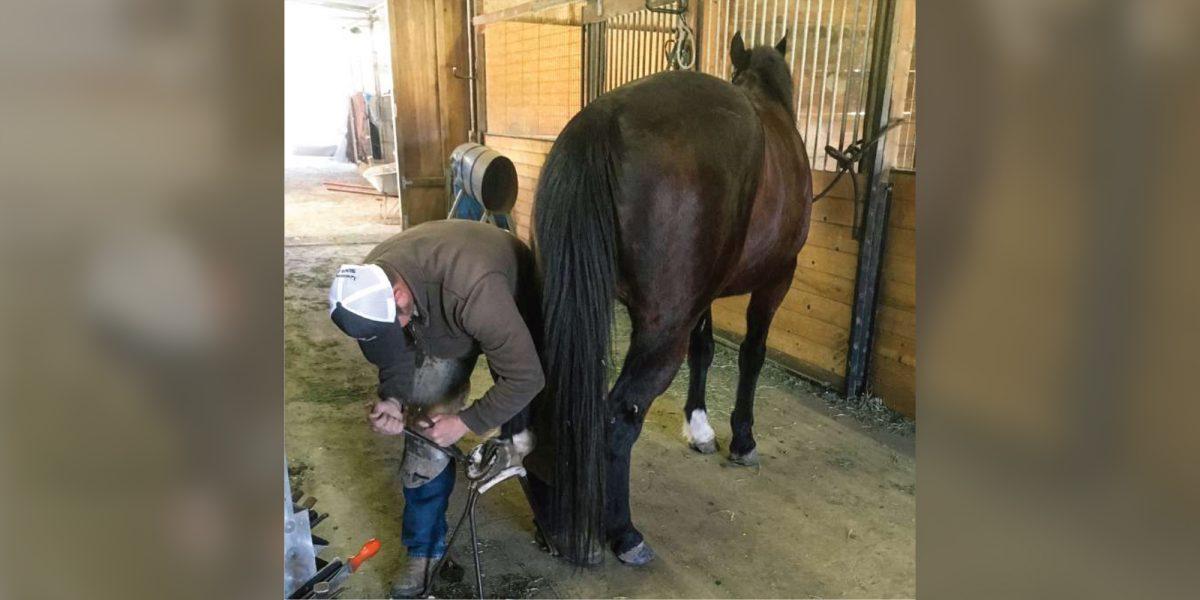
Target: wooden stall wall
811,330
532,90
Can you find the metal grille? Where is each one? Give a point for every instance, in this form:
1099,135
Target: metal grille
594,59
829,53
635,46
906,134
829,45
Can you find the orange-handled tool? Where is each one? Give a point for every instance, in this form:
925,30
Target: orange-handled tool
367,551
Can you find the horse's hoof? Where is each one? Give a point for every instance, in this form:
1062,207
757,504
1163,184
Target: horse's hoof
637,555
704,447
541,542
749,459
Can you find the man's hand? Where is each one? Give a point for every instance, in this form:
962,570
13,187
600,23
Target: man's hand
387,417
446,429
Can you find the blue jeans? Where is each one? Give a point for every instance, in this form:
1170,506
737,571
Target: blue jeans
424,530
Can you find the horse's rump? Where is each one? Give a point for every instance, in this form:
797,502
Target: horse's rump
686,169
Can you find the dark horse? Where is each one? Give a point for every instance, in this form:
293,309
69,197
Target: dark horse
666,194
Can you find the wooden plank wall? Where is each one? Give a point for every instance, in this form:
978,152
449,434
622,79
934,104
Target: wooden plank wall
532,89
811,331
894,355
812,327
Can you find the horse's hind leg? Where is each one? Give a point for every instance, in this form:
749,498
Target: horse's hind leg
653,359
759,314
696,430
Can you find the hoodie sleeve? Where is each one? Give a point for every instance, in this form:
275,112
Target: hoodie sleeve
490,316
393,355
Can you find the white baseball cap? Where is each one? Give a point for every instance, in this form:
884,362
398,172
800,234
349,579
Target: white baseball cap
365,291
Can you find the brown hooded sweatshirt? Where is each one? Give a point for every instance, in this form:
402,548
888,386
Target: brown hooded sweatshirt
471,283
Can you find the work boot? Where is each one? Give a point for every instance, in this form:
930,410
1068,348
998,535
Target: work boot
412,580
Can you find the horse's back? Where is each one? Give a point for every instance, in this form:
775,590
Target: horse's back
682,111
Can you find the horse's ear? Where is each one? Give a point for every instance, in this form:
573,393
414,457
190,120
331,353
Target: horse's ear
781,47
738,53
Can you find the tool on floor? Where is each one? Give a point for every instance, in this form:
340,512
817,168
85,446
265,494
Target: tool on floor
486,466
327,583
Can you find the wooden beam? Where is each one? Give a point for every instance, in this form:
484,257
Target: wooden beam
336,5
480,81
602,11
521,10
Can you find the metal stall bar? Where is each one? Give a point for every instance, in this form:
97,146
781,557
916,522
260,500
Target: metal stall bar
868,49
774,23
716,44
803,63
795,39
757,23
827,46
743,28
637,52
629,40
730,27
824,86
878,203
846,93
657,44
647,50
787,5
595,50
837,75
635,44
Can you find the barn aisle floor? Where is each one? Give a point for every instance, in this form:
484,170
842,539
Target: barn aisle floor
831,512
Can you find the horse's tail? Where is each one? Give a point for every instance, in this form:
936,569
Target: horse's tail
575,240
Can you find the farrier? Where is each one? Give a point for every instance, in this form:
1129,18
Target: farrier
423,306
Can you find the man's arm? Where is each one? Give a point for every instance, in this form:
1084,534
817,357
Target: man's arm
490,316
391,354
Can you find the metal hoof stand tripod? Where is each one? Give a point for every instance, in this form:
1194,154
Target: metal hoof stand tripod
485,467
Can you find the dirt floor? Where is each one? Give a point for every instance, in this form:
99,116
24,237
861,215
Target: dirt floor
831,511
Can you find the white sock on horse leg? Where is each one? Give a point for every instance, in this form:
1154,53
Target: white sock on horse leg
696,428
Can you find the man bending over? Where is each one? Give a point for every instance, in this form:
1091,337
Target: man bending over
423,305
